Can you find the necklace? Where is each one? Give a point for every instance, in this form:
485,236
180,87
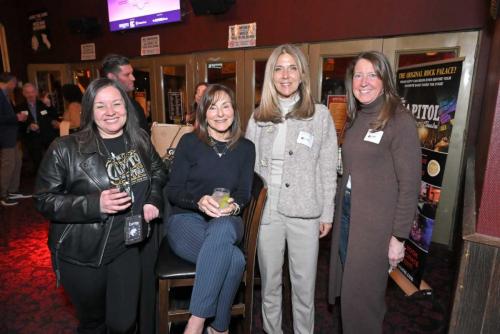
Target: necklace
215,145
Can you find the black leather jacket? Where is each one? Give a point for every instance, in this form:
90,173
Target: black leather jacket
68,187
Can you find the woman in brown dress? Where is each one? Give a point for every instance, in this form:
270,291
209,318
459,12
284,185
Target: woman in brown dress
378,193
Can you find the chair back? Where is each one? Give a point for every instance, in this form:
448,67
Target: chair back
165,137
252,215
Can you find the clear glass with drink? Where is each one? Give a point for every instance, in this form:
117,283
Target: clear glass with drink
221,195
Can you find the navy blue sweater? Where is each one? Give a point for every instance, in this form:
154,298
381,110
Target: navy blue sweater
197,169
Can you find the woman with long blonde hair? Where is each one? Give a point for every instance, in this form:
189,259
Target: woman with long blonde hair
296,153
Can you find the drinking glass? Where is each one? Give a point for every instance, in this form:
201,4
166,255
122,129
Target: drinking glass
221,195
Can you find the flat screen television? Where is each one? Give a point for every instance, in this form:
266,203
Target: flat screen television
131,14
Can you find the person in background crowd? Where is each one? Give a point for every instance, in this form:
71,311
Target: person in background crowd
296,149
97,187
45,98
202,229
378,194
72,96
199,90
118,68
41,126
10,153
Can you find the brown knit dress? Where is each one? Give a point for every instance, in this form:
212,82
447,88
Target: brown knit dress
385,180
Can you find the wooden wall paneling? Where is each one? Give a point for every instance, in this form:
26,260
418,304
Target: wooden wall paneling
491,323
472,288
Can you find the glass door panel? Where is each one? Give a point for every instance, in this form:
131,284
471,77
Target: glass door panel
255,67
82,78
175,88
83,73
144,79
259,69
174,92
142,91
222,73
50,78
333,89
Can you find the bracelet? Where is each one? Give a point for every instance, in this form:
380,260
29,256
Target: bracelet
236,210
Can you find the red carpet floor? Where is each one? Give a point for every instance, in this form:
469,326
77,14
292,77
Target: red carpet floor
30,303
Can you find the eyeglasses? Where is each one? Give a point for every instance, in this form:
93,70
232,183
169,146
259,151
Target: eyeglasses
368,76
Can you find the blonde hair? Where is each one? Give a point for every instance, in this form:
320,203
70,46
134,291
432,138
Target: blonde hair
268,110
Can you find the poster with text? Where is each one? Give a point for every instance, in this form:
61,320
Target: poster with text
430,92
40,37
242,35
175,106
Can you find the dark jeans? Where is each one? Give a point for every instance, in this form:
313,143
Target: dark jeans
105,298
344,225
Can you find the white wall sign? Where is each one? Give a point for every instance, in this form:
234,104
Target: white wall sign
242,35
150,45
87,51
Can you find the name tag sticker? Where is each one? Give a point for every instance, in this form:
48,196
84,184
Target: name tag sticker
305,138
43,112
374,136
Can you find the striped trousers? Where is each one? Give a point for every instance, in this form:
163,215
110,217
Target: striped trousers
213,246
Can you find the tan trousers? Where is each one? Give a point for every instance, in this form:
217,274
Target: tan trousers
10,169
301,237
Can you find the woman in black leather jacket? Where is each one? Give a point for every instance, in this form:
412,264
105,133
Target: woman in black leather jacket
100,187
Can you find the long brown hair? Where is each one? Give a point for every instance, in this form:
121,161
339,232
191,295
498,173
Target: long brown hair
212,95
89,131
390,95
268,110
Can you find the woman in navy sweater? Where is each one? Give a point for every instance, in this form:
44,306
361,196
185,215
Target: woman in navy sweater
201,229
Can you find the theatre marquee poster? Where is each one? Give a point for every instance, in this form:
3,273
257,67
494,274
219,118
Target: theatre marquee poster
430,92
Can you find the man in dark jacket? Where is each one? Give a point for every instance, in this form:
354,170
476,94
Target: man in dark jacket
118,68
10,154
40,128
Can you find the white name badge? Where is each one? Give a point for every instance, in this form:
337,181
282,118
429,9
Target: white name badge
374,136
305,138
43,112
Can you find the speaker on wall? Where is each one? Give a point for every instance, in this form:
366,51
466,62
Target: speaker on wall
85,25
207,7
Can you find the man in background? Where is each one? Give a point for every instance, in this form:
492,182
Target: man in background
10,153
118,68
40,127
